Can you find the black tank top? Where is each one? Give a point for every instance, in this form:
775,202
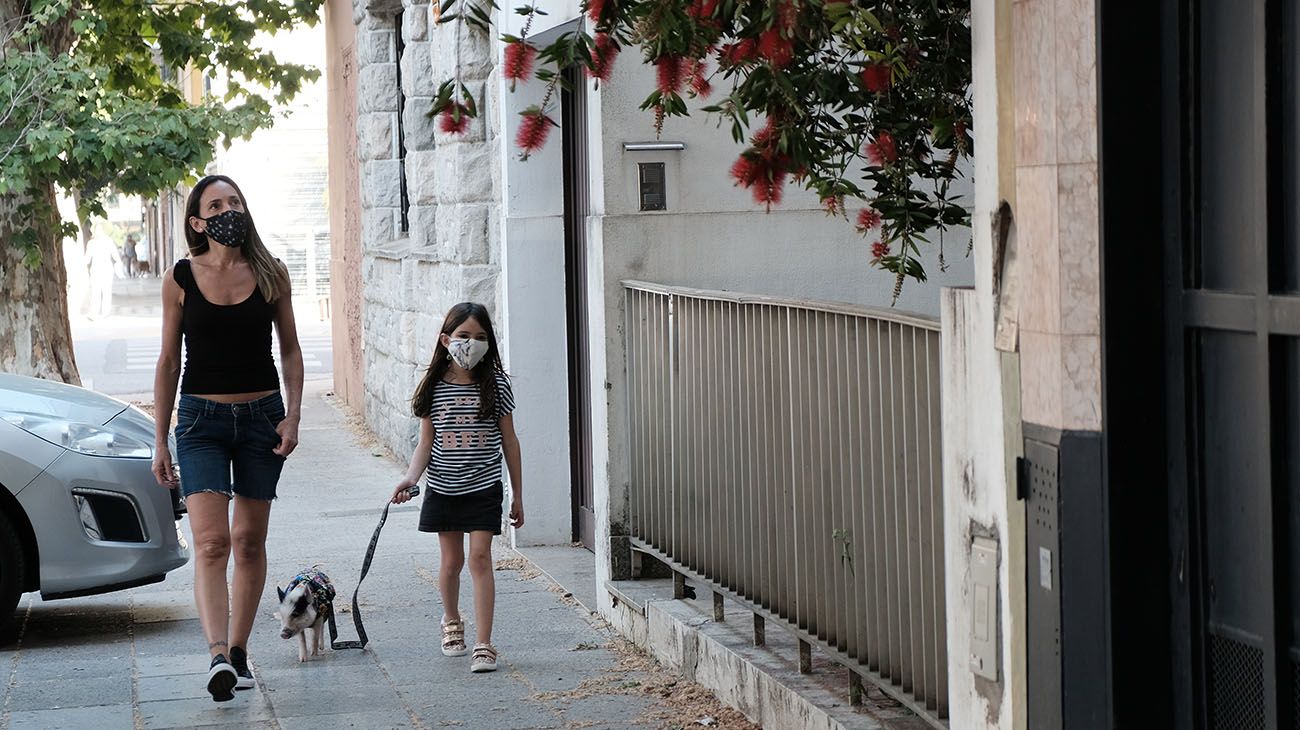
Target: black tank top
227,348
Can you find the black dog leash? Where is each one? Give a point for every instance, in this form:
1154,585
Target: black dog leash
365,568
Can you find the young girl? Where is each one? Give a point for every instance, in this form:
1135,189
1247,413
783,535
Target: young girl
464,405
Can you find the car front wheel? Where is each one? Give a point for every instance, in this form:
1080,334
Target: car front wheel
11,576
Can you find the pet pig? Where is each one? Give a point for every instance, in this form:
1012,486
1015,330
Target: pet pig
306,606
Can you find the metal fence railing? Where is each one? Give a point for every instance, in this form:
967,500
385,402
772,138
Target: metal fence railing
788,453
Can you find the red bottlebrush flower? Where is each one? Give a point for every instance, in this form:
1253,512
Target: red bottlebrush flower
768,189
833,204
603,54
701,9
518,65
877,77
883,151
879,250
742,51
868,219
594,10
763,174
776,48
533,131
454,119
699,82
766,138
745,171
786,14
669,73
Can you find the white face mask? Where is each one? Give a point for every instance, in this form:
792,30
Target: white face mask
467,353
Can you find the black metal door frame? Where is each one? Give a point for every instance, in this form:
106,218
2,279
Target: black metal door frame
1231,322
573,129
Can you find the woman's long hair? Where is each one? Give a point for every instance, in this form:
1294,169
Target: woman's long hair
272,277
484,373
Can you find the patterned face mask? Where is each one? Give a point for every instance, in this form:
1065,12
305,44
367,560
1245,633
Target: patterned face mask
229,228
467,353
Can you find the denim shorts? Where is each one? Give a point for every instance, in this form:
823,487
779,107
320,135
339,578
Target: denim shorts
228,447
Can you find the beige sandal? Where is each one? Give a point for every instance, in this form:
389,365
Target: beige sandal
485,658
453,638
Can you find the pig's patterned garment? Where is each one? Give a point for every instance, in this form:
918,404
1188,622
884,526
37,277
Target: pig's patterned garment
321,589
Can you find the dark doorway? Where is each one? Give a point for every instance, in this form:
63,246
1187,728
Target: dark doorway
1224,386
573,128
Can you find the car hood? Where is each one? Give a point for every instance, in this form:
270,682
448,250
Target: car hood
51,398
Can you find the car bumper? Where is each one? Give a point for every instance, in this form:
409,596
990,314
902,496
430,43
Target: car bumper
102,524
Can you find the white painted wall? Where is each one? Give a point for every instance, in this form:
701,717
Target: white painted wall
533,306
976,492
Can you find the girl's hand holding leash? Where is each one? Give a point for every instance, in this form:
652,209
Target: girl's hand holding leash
517,512
405,490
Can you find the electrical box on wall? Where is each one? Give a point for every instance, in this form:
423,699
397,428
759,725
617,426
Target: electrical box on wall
652,185
984,608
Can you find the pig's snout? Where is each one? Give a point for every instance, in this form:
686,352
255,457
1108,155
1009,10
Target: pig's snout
287,633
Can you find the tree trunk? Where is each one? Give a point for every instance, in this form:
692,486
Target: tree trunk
35,335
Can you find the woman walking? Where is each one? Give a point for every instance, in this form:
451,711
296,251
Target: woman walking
233,429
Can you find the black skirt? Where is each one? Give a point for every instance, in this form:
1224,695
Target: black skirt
470,512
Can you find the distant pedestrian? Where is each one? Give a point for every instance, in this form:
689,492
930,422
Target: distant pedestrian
102,261
232,421
465,408
128,257
142,256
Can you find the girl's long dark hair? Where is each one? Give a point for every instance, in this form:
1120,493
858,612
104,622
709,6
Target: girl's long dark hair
484,373
272,277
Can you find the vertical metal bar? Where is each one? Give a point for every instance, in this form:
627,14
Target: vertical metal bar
679,585
635,412
889,418
805,657
846,399
831,467
769,389
691,417
798,550
861,451
719,608
832,457
746,484
760,631
937,529
902,542
673,504
816,514
914,577
664,416
725,438
925,601
872,513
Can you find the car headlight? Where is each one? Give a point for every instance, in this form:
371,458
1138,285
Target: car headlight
85,438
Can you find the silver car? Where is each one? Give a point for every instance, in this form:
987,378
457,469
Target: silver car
80,511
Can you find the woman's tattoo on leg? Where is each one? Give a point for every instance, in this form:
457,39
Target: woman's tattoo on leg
215,644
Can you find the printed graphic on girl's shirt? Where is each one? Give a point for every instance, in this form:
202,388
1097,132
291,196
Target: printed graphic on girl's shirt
466,451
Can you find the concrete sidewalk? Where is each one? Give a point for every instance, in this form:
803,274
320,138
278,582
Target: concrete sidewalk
136,659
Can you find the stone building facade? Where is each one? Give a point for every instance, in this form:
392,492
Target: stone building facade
429,201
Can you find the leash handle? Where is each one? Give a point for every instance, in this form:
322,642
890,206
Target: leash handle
356,608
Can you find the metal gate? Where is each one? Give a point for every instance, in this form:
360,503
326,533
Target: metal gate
1233,340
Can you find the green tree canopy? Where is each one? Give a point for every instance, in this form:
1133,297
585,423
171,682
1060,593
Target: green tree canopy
89,102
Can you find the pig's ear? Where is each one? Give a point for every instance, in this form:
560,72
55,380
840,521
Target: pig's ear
280,592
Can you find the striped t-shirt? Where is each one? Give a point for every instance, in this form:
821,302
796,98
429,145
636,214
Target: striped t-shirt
466,451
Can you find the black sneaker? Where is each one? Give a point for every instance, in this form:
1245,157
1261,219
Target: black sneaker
239,660
221,679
